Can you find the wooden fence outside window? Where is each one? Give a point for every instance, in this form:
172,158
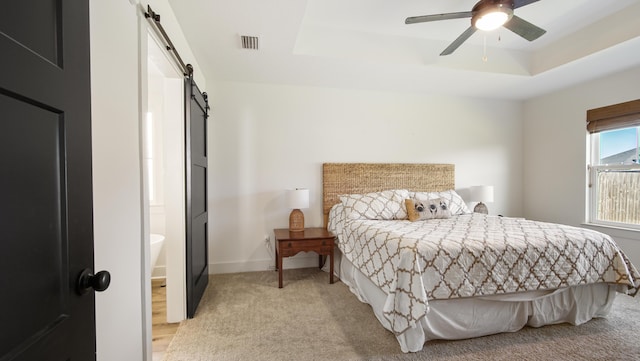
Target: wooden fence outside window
619,196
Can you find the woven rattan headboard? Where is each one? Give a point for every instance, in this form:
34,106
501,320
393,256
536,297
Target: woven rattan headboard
350,178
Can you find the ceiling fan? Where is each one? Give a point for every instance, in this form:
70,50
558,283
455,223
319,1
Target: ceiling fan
487,15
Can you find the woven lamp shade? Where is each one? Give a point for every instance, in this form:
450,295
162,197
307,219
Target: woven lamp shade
298,198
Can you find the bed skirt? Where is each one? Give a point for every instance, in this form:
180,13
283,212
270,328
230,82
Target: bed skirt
463,318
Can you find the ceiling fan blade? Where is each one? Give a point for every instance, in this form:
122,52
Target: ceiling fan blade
461,39
524,28
437,17
521,3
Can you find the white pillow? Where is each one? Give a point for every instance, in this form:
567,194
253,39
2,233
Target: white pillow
456,204
336,218
384,205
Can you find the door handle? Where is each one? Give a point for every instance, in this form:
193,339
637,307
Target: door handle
87,281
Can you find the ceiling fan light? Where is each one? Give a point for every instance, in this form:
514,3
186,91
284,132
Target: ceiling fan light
491,21
492,18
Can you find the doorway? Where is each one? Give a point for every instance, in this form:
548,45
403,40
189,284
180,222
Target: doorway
163,180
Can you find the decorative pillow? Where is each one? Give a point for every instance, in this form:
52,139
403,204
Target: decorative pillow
385,205
431,209
456,204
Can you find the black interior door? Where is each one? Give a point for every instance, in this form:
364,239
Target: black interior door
46,237
197,109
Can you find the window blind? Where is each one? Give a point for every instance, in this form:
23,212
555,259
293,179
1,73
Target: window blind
622,115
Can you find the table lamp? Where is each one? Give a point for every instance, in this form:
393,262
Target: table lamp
298,198
481,194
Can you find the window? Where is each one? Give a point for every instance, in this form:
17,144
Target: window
614,170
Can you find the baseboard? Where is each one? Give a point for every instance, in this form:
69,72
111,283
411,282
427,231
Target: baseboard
263,265
159,272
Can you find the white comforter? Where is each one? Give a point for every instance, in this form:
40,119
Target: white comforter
474,255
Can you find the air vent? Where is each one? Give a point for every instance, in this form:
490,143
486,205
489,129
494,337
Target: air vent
249,42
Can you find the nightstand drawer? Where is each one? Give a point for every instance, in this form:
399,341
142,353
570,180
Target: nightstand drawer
307,243
290,248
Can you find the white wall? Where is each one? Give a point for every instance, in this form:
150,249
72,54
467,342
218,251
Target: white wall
555,151
122,316
265,139
116,175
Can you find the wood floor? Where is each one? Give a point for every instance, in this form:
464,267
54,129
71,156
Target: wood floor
162,332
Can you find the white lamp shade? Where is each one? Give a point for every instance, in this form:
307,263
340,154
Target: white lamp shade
482,194
298,198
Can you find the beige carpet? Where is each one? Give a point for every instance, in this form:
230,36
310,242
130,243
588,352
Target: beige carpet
246,317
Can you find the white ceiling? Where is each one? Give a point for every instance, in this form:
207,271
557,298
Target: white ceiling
365,44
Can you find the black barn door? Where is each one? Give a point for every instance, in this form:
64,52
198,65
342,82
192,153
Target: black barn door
197,108
46,229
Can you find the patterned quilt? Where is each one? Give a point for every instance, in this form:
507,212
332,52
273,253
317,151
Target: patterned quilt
474,255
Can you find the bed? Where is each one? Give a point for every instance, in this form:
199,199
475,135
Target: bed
467,274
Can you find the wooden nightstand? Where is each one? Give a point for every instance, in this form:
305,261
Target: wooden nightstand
289,244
